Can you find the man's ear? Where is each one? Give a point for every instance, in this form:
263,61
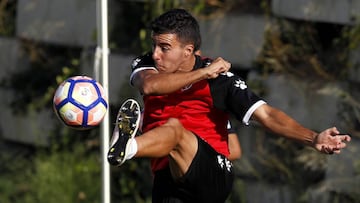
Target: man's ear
189,49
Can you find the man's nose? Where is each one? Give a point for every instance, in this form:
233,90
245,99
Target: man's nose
156,54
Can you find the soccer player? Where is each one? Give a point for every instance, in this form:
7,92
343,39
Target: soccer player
187,103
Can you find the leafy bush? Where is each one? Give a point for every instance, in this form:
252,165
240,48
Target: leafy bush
53,176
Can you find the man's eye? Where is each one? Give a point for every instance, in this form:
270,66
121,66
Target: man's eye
165,48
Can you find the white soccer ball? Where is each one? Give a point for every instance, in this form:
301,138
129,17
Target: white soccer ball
80,102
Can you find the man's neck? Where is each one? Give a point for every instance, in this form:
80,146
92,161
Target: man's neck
188,64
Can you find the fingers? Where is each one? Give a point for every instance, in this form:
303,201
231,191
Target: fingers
334,151
333,131
330,151
327,150
336,133
219,65
344,137
223,65
340,141
332,142
337,146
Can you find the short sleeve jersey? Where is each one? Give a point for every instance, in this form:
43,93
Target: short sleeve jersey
202,107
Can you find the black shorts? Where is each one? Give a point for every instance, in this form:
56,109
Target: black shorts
209,179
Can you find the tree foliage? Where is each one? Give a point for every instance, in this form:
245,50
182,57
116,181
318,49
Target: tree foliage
7,17
58,174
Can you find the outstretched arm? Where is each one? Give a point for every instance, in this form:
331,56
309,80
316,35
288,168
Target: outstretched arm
328,141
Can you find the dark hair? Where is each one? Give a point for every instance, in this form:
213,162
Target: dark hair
181,23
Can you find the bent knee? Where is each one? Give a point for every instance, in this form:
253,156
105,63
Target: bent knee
174,122
175,125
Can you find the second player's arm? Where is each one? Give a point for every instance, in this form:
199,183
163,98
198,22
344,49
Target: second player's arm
234,147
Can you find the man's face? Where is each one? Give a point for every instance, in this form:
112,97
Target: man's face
168,53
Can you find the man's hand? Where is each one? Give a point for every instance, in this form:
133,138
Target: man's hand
218,66
330,141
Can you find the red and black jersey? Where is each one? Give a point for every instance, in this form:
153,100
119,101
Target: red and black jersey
202,107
